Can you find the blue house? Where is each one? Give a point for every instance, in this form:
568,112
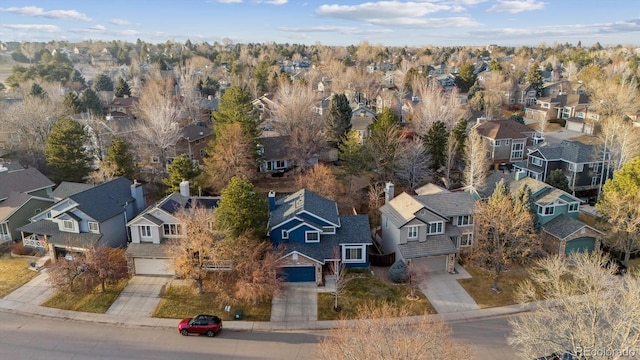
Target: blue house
314,236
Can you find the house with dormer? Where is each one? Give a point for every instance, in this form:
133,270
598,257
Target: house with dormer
505,139
121,107
314,236
95,216
153,228
427,229
361,119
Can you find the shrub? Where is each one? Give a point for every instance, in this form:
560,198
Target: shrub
398,272
19,249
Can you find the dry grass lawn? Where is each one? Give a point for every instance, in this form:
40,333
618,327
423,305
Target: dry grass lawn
94,302
14,273
180,302
479,286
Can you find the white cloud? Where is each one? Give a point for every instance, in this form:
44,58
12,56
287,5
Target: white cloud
33,27
97,28
380,10
117,21
516,6
338,29
229,1
277,2
51,14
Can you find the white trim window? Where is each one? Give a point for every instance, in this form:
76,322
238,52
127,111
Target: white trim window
546,210
412,232
517,150
436,227
145,231
574,206
67,225
172,229
353,254
496,143
465,240
328,230
4,231
93,227
312,236
285,234
465,220
536,161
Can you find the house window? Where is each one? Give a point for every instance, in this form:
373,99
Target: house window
465,220
506,142
4,231
595,180
172,229
594,166
412,232
573,207
145,231
279,164
312,236
93,227
202,152
497,143
536,161
576,167
197,141
516,150
67,225
328,230
546,210
285,234
352,254
435,228
465,240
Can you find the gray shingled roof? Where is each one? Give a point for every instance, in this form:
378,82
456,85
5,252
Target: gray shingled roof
562,226
355,229
433,246
275,147
571,151
448,204
288,206
105,201
66,189
23,180
14,201
148,250
57,237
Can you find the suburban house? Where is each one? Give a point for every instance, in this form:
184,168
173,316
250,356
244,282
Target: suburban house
193,142
556,214
274,151
584,119
582,164
155,226
361,119
265,105
545,108
23,194
506,139
428,229
315,236
121,107
95,216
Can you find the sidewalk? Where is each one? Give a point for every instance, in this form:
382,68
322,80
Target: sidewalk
27,299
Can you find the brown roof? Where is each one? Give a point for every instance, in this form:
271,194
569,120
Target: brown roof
124,101
195,132
275,147
503,129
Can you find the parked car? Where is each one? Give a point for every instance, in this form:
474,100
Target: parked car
616,265
200,324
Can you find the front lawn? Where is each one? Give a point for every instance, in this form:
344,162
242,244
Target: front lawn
94,302
181,302
14,272
480,284
360,291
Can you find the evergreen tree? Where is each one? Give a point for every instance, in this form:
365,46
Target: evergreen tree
182,168
242,209
517,117
72,103
77,77
460,132
37,90
261,76
494,65
91,102
122,88
338,120
351,153
103,83
465,78
236,107
386,119
534,77
120,155
66,151
559,180
436,144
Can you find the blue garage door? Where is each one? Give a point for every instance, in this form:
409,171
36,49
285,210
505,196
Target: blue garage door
582,244
299,273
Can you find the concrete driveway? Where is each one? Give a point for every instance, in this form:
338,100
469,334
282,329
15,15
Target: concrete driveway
140,297
298,302
445,293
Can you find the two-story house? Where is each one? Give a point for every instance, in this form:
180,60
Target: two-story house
584,118
428,229
95,216
155,226
581,163
556,214
121,107
23,194
193,142
314,235
505,139
361,119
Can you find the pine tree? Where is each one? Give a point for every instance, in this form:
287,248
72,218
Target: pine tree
182,168
120,155
103,83
436,144
66,151
465,78
338,121
91,102
559,180
235,107
351,153
37,90
242,209
122,88
534,77
77,77
72,103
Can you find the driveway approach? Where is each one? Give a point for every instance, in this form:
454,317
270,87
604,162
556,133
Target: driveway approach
446,294
140,297
297,303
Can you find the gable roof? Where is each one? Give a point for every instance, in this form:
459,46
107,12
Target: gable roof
66,189
401,209
175,202
570,151
503,129
448,204
105,201
14,201
22,180
304,200
563,226
195,132
275,147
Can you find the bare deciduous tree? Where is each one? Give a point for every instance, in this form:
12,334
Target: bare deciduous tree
579,308
413,163
476,162
451,154
320,180
384,333
107,265
435,105
294,108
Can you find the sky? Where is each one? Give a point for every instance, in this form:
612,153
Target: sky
337,22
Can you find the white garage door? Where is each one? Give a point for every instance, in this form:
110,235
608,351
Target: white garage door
432,264
153,267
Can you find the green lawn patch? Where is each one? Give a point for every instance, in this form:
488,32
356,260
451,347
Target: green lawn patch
479,286
14,272
182,301
359,291
94,302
